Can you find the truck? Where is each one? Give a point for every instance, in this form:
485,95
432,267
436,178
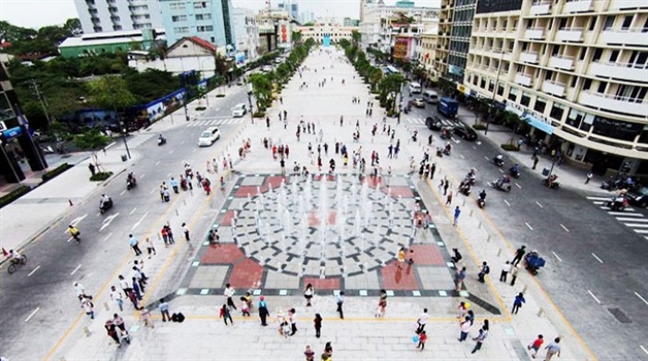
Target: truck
448,107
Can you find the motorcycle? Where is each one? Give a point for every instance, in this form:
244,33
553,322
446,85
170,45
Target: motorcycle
464,188
617,203
498,161
161,140
514,173
481,202
131,182
551,182
505,187
105,205
533,262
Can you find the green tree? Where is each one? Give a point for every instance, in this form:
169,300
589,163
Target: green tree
356,37
389,86
262,90
111,92
73,26
296,37
92,140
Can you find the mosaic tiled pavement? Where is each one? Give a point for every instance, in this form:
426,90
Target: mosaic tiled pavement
279,233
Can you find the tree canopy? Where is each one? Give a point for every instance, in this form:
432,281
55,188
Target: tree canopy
42,41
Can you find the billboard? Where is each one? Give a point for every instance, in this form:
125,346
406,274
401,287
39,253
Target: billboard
401,48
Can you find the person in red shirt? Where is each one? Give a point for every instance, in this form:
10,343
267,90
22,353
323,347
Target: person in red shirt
535,346
422,339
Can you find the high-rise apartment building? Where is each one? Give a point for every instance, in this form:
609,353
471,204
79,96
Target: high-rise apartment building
210,20
461,28
290,7
576,71
99,16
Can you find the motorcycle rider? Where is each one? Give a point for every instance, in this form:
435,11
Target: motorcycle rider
104,200
130,179
161,138
482,195
14,257
499,159
515,170
503,180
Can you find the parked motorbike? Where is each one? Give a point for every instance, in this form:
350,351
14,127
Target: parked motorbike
505,187
551,182
105,205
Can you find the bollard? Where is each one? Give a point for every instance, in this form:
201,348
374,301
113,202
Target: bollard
184,202
87,332
488,238
464,204
106,306
471,213
479,226
525,289
540,312
499,252
177,213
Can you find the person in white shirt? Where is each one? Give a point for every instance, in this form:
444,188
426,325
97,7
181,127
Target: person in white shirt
117,296
229,292
505,270
422,320
80,290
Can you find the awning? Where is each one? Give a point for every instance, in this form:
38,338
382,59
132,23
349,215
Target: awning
537,123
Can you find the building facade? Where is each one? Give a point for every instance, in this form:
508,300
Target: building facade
290,7
275,29
99,16
18,150
428,54
321,31
576,71
111,42
211,20
246,34
459,44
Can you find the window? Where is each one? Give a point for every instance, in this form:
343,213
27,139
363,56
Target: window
200,5
609,22
581,54
540,105
557,111
203,16
512,94
588,84
491,86
601,87
500,89
627,21
614,56
573,81
580,120
597,55
177,6
526,99
178,18
555,50
592,24
203,29
181,30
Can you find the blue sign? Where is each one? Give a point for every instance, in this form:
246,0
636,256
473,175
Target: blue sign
12,133
326,41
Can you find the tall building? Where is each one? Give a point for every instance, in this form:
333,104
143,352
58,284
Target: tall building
275,30
575,71
307,17
462,21
246,34
210,20
446,14
16,142
290,7
99,16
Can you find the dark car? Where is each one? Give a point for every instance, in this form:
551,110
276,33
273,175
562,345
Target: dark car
465,132
638,197
434,123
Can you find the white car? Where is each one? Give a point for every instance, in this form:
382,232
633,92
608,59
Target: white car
266,69
239,110
208,137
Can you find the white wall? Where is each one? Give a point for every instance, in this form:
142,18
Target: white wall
204,64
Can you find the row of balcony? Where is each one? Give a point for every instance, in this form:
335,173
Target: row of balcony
635,37
543,7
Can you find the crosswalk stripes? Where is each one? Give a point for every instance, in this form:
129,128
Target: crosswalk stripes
213,122
629,217
421,121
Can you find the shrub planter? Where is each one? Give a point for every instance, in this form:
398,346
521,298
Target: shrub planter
510,147
200,109
101,176
258,114
13,195
479,126
220,95
55,172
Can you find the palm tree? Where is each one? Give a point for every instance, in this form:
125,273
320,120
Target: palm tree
296,37
356,37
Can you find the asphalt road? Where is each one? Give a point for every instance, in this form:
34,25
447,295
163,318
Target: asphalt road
39,302
595,264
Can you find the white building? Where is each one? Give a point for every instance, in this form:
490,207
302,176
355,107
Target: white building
98,16
335,32
307,17
246,33
381,24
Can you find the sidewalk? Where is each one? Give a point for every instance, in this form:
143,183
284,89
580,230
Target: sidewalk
30,215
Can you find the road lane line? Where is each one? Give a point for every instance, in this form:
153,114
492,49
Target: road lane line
641,298
143,175
76,269
597,258
598,198
531,228
623,219
152,190
486,158
462,157
133,211
638,225
519,186
625,214
507,203
108,236
122,192
69,239
555,255
644,349
157,163
140,221
36,269
641,231
500,169
563,227
539,205
594,297
476,148
32,314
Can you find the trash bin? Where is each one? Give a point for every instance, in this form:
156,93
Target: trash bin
545,171
124,158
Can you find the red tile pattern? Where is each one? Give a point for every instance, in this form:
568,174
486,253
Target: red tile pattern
227,253
243,191
314,219
403,191
245,274
427,255
325,284
227,220
273,182
398,279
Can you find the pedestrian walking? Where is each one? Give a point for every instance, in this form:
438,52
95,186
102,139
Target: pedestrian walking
471,316
463,309
317,322
382,304
459,278
229,292
483,271
514,274
588,177
111,330
483,333
225,314
308,294
145,315
139,279
340,302
432,170
245,308
292,319
535,161
79,290
136,288
440,186
165,236
164,309
422,321
310,355
117,296
505,271
118,321
186,232
535,346
88,307
553,349
457,212
445,187
449,199
263,311
518,255
134,245
517,303
422,338
464,328
133,298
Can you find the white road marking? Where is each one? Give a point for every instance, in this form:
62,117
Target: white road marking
122,192
622,219
563,227
168,175
107,221
32,314
486,158
500,169
638,225
507,203
531,228
76,269
143,175
539,205
641,298
462,157
182,142
76,221
153,190
594,297
108,236
519,186
555,255
133,211
32,272
476,148
641,231
644,349
139,222
625,214
170,152
597,258
69,239
157,163
598,203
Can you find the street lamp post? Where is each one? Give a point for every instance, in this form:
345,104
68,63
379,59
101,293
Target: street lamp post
125,142
492,104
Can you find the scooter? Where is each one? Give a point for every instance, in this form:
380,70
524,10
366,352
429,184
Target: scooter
161,140
505,187
131,182
498,161
481,202
514,173
105,205
464,188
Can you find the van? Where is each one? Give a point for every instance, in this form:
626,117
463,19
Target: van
415,88
208,137
431,96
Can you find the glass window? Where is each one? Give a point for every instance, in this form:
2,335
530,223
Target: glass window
512,94
526,99
557,111
6,112
540,105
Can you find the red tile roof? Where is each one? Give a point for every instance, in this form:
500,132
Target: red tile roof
203,43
